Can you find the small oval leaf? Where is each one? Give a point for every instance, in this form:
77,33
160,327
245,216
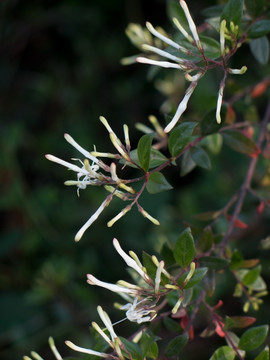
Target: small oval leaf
259,29
144,150
184,249
223,353
176,345
241,143
260,49
253,338
157,183
200,157
180,137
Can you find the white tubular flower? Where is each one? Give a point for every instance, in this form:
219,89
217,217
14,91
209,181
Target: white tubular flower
119,216
163,53
54,349
107,322
191,24
126,134
86,153
92,280
164,38
84,350
181,108
139,314
182,30
222,37
238,71
92,218
129,261
158,276
68,165
164,64
219,103
114,139
115,341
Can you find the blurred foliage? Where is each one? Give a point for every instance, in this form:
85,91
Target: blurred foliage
59,70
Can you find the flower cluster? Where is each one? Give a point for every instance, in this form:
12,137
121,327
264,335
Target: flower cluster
142,298
99,174
184,63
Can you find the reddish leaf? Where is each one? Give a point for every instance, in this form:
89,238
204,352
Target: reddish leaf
219,329
239,321
184,323
259,89
237,223
260,207
230,116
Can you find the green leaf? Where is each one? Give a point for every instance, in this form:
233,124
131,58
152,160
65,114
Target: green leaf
253,338
236,260
238,321
241,143
180,137
149,346
133,348
223,353
212,11
156,158
175,10
232,12
200,157
251,276
166,254
184,249
257,285
149,265
260,49
187,164
198,275
210,46
172,325
213,262
259,29
264,355
176,345
205,241
157,183
144,150
187,297
209,123
255,8
214,143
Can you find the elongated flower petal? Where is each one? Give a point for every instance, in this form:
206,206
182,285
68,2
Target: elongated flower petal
163,53
113,287
181,108
219,103
107,322
92,218
164,64
164,38
191,24
67,164
129,261
84,350
86,153
158,276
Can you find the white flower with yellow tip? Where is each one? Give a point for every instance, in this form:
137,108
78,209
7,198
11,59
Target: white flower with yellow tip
112,340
